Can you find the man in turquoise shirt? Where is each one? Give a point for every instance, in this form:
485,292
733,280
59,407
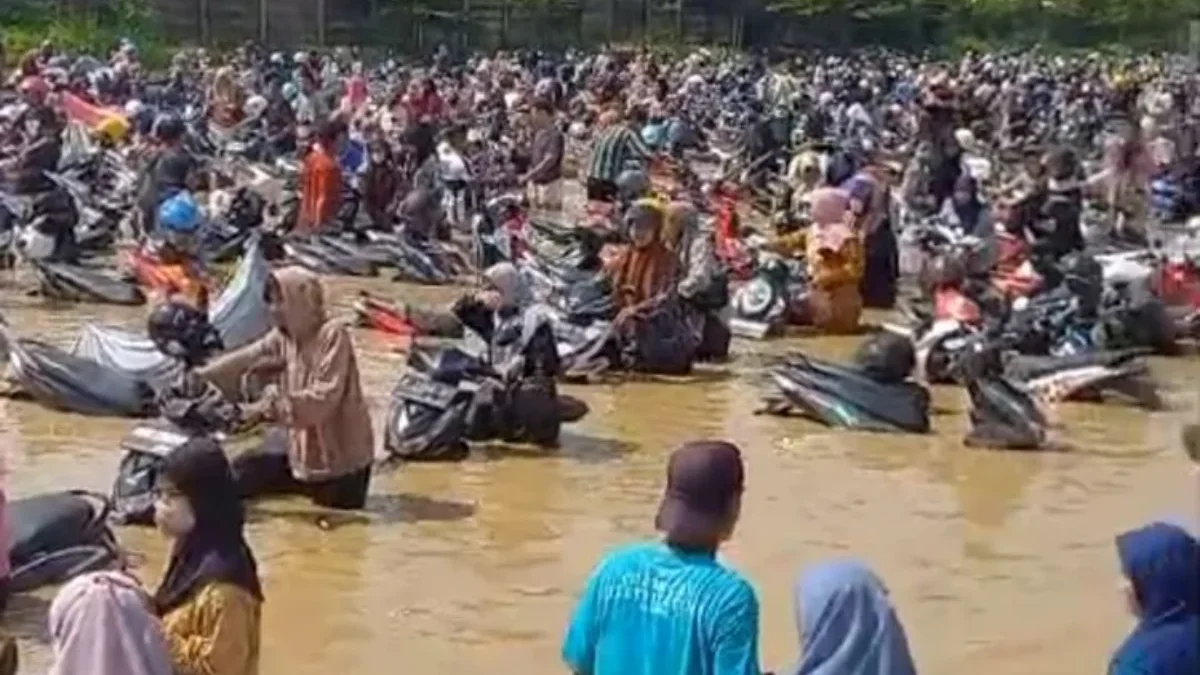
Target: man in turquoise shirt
669,608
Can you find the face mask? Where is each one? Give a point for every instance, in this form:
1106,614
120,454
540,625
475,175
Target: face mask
173,516
32,128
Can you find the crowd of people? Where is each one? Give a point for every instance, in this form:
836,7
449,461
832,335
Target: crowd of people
889,139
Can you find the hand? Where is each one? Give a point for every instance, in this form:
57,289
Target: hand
625,316
490,299
263,409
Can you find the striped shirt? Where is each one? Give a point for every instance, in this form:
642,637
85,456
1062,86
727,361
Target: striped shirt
615,148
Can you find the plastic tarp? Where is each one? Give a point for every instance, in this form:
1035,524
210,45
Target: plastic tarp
239,314
68,382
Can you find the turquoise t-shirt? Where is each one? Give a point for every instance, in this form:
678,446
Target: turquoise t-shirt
652,610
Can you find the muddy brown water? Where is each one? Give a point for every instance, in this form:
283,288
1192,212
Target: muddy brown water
998,562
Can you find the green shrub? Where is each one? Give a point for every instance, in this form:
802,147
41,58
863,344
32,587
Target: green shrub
24,24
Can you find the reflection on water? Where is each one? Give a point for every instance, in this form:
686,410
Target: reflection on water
999,562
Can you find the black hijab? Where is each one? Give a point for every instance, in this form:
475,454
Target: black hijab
215,550
969,213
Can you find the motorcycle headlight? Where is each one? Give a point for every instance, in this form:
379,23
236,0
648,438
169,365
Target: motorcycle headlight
35,245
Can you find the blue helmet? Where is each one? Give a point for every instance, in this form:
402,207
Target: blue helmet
179,214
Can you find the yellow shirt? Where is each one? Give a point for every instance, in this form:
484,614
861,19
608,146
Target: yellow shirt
216,632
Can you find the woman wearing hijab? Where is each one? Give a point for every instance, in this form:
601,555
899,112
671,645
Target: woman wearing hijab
210,599
226,99
381,185
835,263
317,399
516,339
1161,565
646,269
965,210
701,286
847,623
102,623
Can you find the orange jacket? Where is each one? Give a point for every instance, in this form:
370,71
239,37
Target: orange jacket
320,190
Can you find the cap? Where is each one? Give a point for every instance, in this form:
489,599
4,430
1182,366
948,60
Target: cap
703,478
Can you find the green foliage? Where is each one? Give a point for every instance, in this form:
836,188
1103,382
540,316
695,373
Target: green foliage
25,24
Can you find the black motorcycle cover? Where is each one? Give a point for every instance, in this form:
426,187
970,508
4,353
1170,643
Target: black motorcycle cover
1003,416
63,281
841,396
58,536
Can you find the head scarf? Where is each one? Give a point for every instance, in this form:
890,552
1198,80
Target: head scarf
507,281
101,624
215,551
681,226
1162,562
847,624
641,273
968,214
303,302
828,211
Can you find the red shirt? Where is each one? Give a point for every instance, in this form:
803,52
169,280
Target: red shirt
320,189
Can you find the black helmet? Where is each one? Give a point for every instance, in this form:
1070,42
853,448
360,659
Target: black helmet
886,357
183,332
1084,276
168,128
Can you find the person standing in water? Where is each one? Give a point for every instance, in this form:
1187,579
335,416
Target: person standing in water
321,179
317,403
670,607
210,598
1161,566
101,623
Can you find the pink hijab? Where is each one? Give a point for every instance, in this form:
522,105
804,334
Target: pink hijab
829,210
356,93
101,624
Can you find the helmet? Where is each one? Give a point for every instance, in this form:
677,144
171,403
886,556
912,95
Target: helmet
886,357
632,185
179,214
169,128
1084,276
113,128
255,106
184,332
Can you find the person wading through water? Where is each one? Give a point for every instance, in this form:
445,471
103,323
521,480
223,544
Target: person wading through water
210,599
317,402
670,606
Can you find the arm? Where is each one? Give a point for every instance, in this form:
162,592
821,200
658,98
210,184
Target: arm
308,407
637,146
221,638
227,371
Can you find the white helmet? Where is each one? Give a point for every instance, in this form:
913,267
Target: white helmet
255,106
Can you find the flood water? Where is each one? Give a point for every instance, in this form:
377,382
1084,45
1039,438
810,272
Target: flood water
998,562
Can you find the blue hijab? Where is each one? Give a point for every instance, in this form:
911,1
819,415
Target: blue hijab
847,624
1162,562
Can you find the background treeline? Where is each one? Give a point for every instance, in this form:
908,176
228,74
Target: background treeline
415,25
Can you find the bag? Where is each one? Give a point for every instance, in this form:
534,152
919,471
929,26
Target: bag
58,536
146,450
